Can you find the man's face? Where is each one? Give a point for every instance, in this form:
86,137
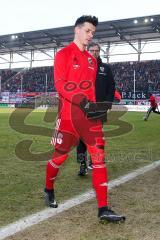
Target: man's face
94,51
84,33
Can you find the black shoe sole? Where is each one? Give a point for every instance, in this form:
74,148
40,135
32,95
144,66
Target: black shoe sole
82,174
105,220
53,206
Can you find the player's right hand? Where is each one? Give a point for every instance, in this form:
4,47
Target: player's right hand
85,105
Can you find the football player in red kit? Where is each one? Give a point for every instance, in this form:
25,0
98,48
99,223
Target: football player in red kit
117,96
153,106
74,75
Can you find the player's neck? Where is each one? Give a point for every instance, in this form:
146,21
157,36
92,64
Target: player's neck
79,45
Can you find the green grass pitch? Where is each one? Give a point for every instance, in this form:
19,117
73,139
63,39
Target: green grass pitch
25,147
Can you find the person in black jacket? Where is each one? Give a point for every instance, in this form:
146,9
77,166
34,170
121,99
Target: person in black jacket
105,89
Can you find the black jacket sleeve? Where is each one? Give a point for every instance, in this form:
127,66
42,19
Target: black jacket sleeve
110,88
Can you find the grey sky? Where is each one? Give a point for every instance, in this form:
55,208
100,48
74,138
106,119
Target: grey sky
26,15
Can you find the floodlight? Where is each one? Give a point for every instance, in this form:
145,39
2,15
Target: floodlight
146,20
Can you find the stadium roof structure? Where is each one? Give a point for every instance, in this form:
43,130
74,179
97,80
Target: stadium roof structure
130,30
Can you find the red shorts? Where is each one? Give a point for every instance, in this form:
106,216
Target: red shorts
68,132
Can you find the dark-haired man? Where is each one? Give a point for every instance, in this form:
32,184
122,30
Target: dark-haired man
105,91
74,74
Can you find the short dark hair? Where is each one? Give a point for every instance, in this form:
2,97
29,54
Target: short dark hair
86,18
92,44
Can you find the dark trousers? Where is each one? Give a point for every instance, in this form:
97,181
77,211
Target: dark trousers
152,109
81,152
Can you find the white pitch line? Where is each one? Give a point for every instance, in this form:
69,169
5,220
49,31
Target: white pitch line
50,212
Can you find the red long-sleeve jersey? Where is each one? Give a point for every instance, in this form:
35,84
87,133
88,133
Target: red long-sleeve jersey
74,76
117,96
152,101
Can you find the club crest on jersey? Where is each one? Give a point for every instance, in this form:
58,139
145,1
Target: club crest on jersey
90,61
102,69
91,64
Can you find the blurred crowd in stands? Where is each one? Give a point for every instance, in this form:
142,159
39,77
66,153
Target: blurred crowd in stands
147,75
40,79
